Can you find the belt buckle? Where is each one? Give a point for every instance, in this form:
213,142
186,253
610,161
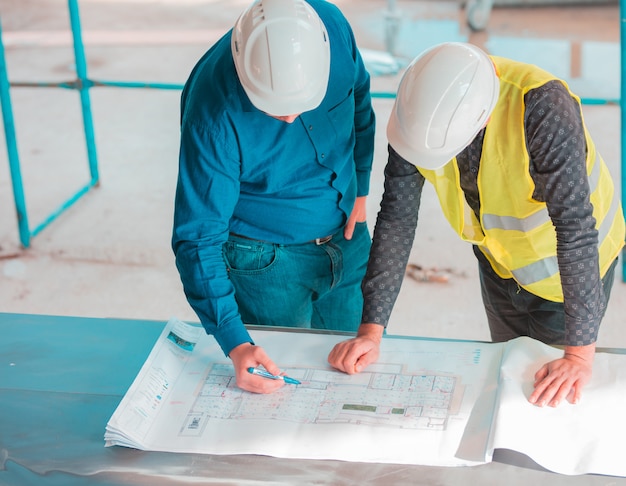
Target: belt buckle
324,240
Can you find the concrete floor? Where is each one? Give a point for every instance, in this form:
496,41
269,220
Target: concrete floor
109,254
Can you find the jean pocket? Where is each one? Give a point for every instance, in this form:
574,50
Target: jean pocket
249,257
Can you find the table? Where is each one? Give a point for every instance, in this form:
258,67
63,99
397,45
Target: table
61,379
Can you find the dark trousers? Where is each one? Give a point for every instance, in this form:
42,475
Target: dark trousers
513,311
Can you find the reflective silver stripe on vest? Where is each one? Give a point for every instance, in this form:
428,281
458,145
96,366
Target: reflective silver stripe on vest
534,272
493,221
594,177
548,267
607,222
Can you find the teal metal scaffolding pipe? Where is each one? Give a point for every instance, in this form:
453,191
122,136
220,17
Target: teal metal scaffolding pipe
57,212
82,84
138,84
81,72
46,84
12,153
91,83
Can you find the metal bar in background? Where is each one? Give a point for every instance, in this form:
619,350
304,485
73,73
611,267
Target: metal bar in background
83,89
11,140
82,84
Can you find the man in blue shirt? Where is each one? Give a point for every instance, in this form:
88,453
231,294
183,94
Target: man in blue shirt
277,140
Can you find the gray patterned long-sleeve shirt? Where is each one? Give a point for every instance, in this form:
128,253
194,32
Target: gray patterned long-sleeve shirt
556,144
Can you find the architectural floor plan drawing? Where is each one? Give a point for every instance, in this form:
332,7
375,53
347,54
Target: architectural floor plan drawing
417,400
385,398
425,401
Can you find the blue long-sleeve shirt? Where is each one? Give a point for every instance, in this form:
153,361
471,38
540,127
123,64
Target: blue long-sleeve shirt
244,172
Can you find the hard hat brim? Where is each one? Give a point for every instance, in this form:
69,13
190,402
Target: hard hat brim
399,143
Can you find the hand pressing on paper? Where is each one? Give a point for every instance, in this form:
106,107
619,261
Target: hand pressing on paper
354,355
247,356
564,378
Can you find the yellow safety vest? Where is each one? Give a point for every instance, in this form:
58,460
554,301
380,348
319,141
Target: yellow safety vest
515,232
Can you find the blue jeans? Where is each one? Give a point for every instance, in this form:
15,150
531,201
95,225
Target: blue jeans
513,311
306,285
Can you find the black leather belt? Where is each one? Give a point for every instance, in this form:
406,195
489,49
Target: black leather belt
317,241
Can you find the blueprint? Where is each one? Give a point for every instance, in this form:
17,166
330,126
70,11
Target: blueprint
387,398
424,402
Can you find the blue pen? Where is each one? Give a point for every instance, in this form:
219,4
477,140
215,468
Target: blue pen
265,374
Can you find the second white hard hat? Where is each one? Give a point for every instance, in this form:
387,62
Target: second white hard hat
282,56
444,99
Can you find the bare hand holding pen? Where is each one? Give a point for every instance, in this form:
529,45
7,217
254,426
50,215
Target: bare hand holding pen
246,356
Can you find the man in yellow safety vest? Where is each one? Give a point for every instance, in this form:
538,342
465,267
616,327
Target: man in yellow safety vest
517,175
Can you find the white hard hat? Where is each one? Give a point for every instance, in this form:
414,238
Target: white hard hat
282,56
445,97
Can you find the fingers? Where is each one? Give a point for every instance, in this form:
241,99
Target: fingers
358,214
560,380
541,374
247,356
352,363
354,355
574,395
365,360
258,384
348,229
551,392
337,358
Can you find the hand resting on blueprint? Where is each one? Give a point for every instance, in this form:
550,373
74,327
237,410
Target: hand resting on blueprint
248,355
558,380
354,355
564,378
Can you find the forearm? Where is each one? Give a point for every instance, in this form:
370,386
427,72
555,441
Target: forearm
211,294
392,242
578,260
583,295
558,154
206,194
